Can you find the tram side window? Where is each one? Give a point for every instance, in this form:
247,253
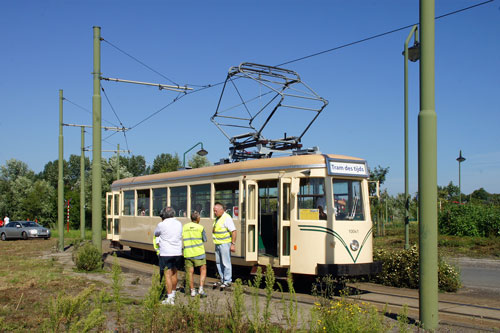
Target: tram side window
128,202
311,199
143,202
227,194
178,200
159,200
200,199
348,200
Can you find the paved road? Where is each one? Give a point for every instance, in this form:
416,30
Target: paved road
480,273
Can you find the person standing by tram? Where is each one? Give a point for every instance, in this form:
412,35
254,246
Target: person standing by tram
224,236
169,232
193,235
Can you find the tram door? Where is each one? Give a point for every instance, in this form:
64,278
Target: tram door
268,218
109,215
116,216
284,221
113,216
252,218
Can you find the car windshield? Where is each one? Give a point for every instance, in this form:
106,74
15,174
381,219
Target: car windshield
30,224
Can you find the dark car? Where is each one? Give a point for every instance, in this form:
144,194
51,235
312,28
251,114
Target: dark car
24,230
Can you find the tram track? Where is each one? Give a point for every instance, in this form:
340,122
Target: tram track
454,310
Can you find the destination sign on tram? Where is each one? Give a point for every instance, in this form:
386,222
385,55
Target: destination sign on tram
347,168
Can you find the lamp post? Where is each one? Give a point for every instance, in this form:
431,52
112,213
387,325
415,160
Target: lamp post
201,152
412,54
460,159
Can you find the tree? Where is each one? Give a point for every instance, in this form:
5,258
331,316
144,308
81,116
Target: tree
377,174
165,163
198,161
13,173
136,165
481,195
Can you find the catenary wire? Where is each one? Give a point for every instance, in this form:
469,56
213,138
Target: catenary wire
204,87
379,35
84,109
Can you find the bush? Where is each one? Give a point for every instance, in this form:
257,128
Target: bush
470,220
401,269
87,257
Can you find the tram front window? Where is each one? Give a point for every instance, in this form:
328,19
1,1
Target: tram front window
348,200
312,200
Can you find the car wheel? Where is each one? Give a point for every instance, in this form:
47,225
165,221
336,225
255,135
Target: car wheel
24,235
4,237
46,238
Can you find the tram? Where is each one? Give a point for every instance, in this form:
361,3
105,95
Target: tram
309,214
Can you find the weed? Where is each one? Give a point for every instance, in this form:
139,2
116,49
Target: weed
151,304
270,279
70,314
117,286
238,308
403,320
255,285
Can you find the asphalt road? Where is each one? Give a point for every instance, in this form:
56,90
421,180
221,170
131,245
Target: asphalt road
480,273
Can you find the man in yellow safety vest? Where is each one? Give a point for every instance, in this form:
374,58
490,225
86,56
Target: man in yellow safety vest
224,236
193,235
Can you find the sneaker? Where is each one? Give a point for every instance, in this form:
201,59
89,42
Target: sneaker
225,286
168,301
193,292
202,294
216,285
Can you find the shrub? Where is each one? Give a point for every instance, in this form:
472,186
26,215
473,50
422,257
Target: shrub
346,316
401,269
88,258
470,220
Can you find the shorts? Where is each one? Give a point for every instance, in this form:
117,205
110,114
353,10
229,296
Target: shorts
194,262
170,262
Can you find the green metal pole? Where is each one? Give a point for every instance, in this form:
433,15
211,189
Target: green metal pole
407,196
118,162
96,151
60,181
82,186
427,172
459,184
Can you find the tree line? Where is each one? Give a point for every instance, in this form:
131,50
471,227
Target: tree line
26,195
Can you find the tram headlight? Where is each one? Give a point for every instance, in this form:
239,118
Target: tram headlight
354,245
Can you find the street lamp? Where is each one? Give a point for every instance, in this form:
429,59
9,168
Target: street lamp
201,152
460,159
412,54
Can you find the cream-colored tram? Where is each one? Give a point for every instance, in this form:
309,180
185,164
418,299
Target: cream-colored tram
306,213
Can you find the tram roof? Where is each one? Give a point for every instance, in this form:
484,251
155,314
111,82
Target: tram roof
275,163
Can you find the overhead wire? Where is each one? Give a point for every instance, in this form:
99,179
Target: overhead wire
86,110
379,35
204,87
112,108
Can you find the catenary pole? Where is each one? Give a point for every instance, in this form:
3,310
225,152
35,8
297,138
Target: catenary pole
427,172
96,144
60,181
82,186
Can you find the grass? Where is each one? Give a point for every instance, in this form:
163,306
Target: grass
37,294
449,246
28,282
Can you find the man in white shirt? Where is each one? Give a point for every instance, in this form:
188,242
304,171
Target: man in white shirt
169,235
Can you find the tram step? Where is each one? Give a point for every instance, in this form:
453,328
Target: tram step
280,273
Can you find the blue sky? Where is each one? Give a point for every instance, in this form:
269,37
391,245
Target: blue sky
47,46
